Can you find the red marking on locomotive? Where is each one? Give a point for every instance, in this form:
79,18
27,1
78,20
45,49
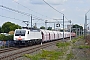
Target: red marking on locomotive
19,38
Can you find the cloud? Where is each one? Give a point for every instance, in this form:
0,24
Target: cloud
16,0
80,1
56,2
53,2
78,9
63,10
36,2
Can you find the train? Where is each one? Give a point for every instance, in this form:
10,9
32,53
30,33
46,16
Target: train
29,36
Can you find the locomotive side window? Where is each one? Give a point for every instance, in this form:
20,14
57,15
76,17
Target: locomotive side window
20,32
28,32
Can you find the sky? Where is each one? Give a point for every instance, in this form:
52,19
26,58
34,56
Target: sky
73,10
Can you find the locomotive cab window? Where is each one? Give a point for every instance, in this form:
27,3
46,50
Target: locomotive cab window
20,32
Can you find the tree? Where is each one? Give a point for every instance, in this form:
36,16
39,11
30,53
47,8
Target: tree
10,37
5,38
8,26
77,26
61,30
34,27
2,37
42,27
0,30
49,28
74,27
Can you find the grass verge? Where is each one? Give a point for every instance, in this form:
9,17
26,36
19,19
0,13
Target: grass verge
76,39
83,46
69,56
45,55
56,54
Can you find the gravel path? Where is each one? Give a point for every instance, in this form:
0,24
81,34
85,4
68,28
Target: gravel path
80,54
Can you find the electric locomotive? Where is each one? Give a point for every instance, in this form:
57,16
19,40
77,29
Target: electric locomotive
27,36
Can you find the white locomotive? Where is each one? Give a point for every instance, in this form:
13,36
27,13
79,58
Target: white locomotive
31,36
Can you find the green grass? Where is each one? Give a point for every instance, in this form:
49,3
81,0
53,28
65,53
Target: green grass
57,54
1,47
32,57
76,39
62,44
69,56
83,46
47,55
50,55
81,37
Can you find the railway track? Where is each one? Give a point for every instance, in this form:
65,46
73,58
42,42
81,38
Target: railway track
18,53
12,55
7,49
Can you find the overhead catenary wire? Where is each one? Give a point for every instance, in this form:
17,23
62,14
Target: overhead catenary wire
66,18
35,17
10,17
17,11
27,14
58,12
53,7
31,10
20,11
38,18
37,12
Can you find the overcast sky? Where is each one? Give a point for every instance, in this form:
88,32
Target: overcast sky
73,9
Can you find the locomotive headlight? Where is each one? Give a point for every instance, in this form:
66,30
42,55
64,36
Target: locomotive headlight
15,38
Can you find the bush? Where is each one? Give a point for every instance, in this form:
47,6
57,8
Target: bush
10,37
5,38
2,37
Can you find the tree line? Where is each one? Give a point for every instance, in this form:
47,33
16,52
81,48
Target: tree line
8,28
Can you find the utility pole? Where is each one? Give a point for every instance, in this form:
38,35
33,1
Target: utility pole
35,25
46,24
70,30
85,24
54,26
63,27
31,21
79,32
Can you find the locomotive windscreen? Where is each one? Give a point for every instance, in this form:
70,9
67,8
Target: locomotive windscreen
20,32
